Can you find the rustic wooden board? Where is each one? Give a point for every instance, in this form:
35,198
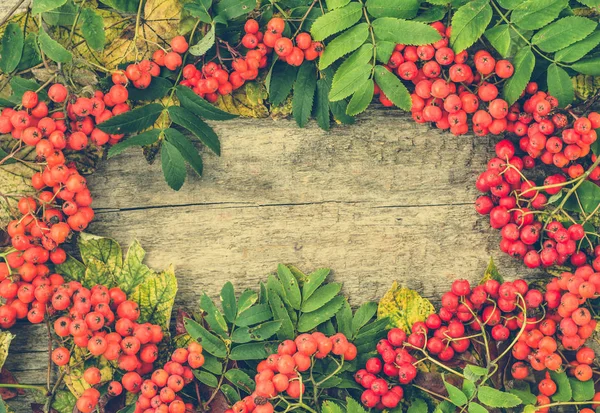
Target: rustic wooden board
378,201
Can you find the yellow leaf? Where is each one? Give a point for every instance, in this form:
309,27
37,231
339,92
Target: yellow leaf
404,307
491,273
156,296
5,339
77,365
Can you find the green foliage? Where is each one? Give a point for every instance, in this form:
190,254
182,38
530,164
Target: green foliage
304,93
524,62
92,28
560,85
336,20
53,49
205,44
133,121
469,23
404,31
12,47
393,88
343,44
535,14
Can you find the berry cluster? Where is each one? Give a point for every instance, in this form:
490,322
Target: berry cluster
512,201
450,90
281,372
212,79
140,74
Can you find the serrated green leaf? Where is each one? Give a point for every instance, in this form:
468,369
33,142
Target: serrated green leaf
496,398
343,319
188,120
525,395
230,393
352,73
260,332
240,380
12,47
563,33
42,6
393,88
384,51
588,194
20,85
352,406
336,4
173,165
64,402
205,44
143,139
281,82
92,28
254,315
207,378
200,107
499,38
432,14
535,14
211,343
343,44
404,31
54,50
247,299
336,20
156,296
456,395
588,66
133,272
157,89
321,107
135,120
476,408
560,85
582,390
524,62
309,321
418,406
304,93
253,351
228,301
474,373
509,4
402,9
362,316
213,316
578,50
230,9
468,388
185,147
321,297
330,407
200,9
361,98
280,313
31,53
290,286
469,23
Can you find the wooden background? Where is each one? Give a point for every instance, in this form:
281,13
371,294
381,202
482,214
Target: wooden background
383,200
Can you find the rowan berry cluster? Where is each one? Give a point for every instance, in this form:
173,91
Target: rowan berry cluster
451,91
282,372
213,79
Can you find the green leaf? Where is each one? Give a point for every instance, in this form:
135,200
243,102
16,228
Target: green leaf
228,301
196,126
200,9
280,313
211,343
156,296
524,62
361,98
590,3
12,47
336,20
290,286
582,390
314,281
578,50
92,29
230,9
384,51
418,406
336,4
563,33
246,300
560,85
468,388
104,250
499,38
402,9
281,82
252,351
31,53
474,373
469,23
352,406
321,297
403,307
135,120
260,332
157,90
393,88
343,319
143,139
457,397
564,392
240,380
20,85
207,378
321,107
343,44
525,395
254,315
212,364
476,408
213,316
173,165
363,315
42,6
199,106
64,402
133,272
205,44
186,148
588,66
330,407
54,50
535,14
588,194
352,73
230,393
509,4
304,92
431,14
496,398
404,31
491,273
308,321
63,16
127,6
